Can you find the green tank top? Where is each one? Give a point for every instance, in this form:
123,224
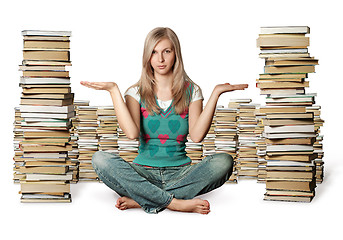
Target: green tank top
163,136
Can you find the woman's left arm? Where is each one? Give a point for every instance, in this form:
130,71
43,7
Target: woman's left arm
200,119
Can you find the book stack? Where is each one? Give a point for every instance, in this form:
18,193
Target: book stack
87,141
318,145
107,129
74,137
247,159
289,125
128,149
46,108
226,135
18,153
208,142
194,150
261,148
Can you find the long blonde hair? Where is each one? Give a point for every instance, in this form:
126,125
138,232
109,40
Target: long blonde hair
180,78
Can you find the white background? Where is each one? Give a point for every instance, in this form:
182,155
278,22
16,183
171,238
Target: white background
218,40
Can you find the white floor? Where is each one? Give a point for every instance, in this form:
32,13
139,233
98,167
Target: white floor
237,210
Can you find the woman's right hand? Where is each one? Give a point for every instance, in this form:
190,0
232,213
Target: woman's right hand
108,86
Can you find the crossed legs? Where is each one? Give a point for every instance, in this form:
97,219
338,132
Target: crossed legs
140,187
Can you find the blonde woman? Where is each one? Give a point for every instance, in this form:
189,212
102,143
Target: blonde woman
161,109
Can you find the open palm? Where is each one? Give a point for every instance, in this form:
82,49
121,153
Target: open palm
99,85
227,87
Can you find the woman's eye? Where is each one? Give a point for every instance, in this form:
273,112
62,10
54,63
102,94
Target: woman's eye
153,52
168,51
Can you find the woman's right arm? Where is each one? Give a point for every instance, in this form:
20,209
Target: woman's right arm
128,114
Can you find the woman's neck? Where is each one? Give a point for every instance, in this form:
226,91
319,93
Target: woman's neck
163,87
164,82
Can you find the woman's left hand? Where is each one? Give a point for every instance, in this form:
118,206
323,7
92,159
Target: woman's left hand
227,87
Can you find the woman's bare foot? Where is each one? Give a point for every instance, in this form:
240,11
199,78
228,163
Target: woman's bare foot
192,205
124,203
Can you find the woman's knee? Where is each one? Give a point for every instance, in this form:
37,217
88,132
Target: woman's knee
101,159
223,162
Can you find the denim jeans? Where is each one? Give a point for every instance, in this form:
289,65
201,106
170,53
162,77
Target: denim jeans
154,188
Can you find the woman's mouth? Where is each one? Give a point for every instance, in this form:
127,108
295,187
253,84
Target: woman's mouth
161,66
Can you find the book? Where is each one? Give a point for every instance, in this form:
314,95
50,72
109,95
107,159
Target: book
282,109
46,43
285,29
44,55
282,40
46,109
45,33
44,80
47,102
290,129
289,69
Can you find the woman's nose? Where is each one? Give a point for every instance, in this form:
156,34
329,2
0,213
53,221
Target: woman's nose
161,58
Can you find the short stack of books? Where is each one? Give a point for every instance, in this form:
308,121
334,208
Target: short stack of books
46,108
18,153
74,137
194,150
289,126
318,145
261,148
128,148
87,141
107,129
208,145
226,134
247,159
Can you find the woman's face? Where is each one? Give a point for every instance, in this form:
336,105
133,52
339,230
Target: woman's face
163,57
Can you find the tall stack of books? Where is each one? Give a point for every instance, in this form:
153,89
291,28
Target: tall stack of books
226,134
247,160
107,129
87,141
289,126
46,108
194,150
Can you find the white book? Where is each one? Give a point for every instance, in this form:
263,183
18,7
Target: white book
289,163
45,124
224,130
284,29
45,155
240,100
43,120
307,95
46,109
42,80
54,177
43,196
286,148
48,115
288,135
288,50
284,92
289,129
45,33
289,99
313,107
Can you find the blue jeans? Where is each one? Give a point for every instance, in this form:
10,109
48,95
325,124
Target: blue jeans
154,188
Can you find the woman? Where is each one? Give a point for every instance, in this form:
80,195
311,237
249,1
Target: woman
161,109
